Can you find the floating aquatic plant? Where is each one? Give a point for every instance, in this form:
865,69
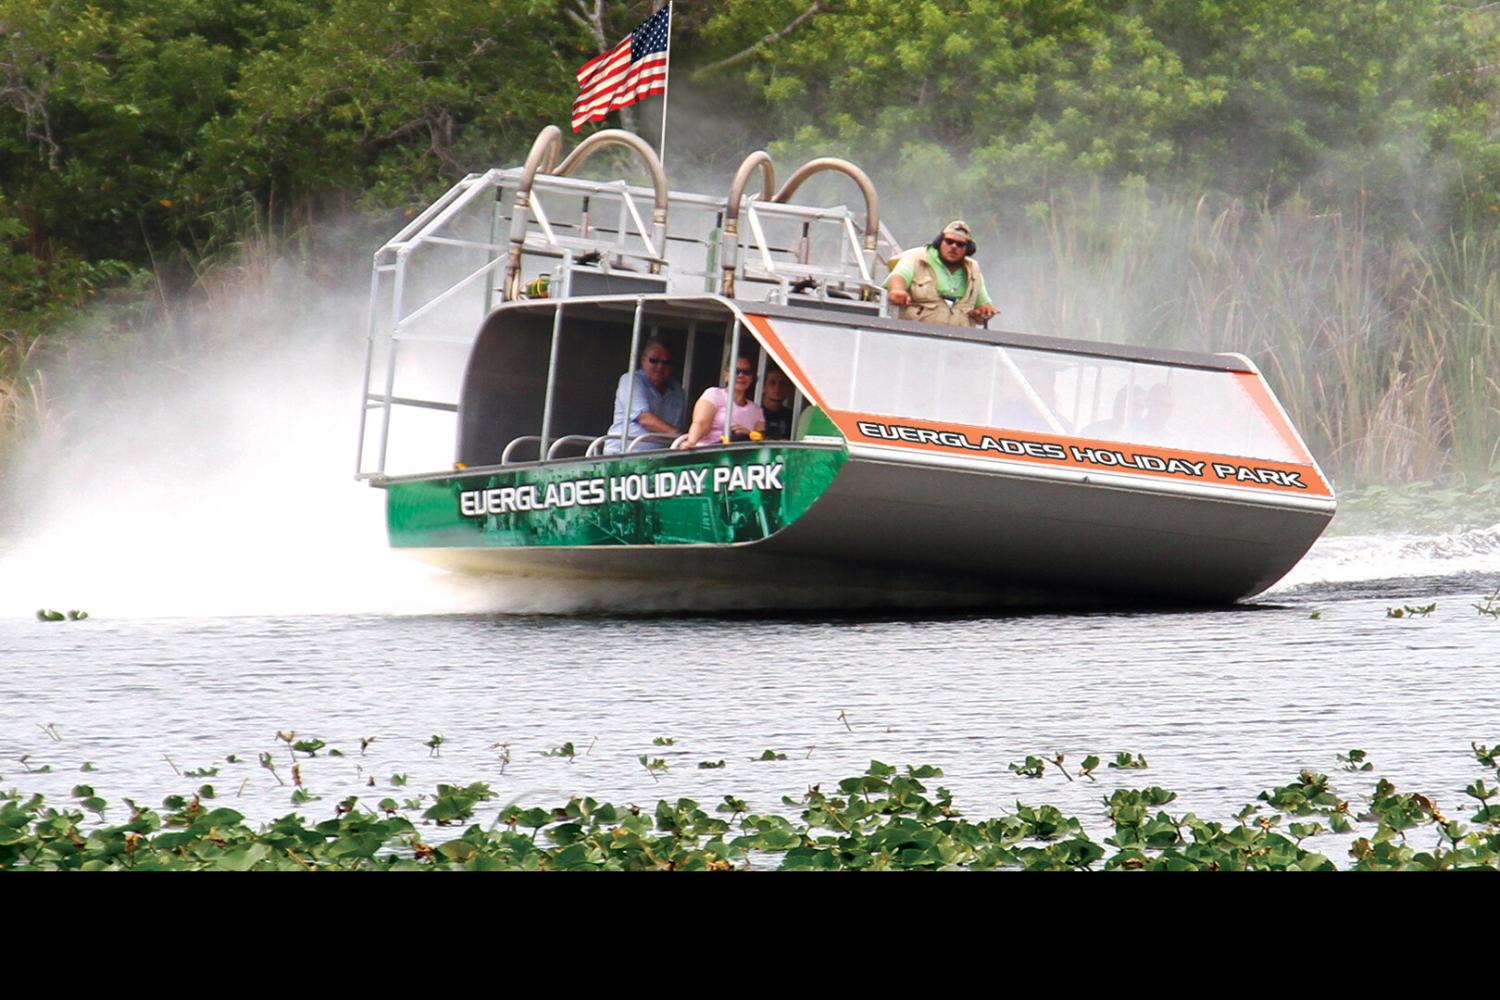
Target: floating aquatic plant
566,750
1355,760
885,818
1127,761
1031,767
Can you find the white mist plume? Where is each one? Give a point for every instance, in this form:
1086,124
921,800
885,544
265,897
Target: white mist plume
218,485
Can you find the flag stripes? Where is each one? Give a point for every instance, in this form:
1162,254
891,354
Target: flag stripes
631,71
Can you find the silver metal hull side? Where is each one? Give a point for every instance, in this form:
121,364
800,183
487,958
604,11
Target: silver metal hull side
1132,545
742,577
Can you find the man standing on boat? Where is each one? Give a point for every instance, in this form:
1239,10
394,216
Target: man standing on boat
653,397
941,283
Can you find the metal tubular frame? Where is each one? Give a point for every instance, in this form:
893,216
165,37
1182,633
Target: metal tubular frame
547,171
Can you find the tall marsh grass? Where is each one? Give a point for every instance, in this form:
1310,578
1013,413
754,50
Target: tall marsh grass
1384,348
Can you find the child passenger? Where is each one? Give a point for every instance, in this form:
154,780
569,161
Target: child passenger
776,401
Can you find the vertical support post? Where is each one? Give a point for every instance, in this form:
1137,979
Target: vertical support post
390,361
632,365
557,319
489,281
734,359
687,360
364,386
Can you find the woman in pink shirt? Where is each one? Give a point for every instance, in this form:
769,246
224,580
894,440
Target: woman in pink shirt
708,412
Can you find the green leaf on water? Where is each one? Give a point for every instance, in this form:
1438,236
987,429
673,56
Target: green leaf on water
242,859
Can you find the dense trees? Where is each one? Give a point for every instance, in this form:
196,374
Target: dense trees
1010,97
125,126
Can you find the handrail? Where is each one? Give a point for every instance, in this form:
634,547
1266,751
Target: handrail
505,455
866,187
543,159
758,160
596,446
569,439
667,438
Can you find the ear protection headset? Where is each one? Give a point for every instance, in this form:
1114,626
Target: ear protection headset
937,244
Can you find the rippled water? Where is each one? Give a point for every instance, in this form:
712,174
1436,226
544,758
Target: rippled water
1222,703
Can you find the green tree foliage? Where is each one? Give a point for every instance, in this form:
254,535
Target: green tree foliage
1007,99
125,128
389,101
130,124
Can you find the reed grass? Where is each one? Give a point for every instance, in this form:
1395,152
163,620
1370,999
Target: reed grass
1381,346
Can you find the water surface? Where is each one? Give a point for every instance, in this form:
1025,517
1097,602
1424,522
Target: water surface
1222,703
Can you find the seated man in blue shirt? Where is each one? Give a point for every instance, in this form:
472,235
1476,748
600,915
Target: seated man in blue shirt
657,404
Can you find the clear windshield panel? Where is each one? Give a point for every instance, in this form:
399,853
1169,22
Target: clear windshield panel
1011,388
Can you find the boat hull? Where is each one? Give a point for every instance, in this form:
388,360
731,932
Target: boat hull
822,528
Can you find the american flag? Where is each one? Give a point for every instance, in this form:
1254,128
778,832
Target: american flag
631,71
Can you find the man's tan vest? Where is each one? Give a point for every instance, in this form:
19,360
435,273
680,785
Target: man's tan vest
926,305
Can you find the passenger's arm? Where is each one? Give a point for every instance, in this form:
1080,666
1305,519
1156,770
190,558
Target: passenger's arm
983,307
896,291
655,424
899,283
703,419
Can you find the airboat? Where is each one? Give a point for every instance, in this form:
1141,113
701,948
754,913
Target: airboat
925,465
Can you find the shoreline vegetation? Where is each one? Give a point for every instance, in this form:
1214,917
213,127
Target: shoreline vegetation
1317,187
887,818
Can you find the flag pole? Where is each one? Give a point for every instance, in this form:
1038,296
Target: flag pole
663,146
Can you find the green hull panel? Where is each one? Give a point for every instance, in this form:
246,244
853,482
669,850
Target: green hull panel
716,497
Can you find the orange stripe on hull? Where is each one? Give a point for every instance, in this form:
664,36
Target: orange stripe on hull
1081,454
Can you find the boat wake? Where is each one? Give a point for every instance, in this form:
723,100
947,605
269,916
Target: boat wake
1395,566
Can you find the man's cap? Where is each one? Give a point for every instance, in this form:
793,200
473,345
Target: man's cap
958,226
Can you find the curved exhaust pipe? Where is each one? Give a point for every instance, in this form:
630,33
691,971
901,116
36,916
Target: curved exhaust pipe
542,159
871,235
729,243
620,137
